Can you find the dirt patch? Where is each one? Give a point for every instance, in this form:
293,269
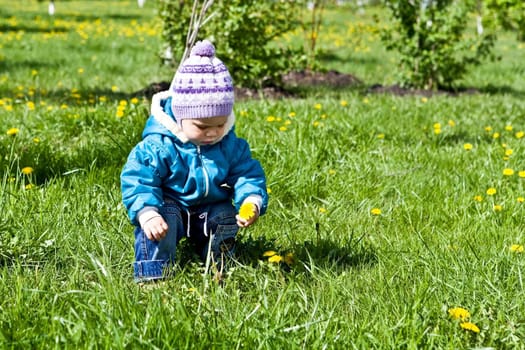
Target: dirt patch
306,78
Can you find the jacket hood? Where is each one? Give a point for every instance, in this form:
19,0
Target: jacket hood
162,120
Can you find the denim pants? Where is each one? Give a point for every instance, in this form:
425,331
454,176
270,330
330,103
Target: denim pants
199,224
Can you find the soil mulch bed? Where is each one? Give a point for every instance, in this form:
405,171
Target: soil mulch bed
306,78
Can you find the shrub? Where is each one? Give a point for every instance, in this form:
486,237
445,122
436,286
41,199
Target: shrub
244,33
431,38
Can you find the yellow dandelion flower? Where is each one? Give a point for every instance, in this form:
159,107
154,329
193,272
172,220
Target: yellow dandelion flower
135,100
120,113
27,170
508,152
102,98
12,131
283,128
469,326
275,259
497,207
318,106
316,124
123,103
63,106
8,108
495,135
270,118
291,114
323,210
467,146
424,99
459,313
269,190
344,103
34,72
521,173
247,211
488,128
289,259
437,126
508,127
521,199
36,140
520,134
508,172
332,172
29,186
478,198
366,100
114,88
80,71
269,253
375,211
451,123
437,131
381,136
516,248
491,191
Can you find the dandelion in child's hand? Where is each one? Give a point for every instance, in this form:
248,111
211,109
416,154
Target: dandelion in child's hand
459,313
27,170
247,211
467,146
469,326
516,248
508,172
491,191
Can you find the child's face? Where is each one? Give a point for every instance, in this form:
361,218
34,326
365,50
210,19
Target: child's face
204,131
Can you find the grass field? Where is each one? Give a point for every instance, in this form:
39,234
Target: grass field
396,211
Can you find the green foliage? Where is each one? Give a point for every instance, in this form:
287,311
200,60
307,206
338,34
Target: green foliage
245,34
510,14
434,46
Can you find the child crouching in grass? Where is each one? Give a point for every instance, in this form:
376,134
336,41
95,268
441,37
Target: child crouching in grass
190,175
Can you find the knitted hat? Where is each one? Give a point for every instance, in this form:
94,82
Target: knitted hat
202,86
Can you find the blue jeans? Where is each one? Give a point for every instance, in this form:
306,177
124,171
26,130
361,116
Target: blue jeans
198,224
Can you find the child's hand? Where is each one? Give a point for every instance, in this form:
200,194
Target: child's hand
155,228
248,214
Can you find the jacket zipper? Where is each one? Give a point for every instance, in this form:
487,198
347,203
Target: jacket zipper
205,173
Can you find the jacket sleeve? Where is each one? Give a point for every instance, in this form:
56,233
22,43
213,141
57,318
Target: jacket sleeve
248,176
141,178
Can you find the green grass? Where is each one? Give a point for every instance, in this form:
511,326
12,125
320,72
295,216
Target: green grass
359,280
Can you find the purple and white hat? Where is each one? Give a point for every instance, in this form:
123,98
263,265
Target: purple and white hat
202,86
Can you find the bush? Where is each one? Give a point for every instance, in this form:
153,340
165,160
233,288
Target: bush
244,33
434,49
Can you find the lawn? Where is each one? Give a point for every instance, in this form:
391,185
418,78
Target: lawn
400,218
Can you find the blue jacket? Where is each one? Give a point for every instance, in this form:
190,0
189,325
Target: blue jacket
164,165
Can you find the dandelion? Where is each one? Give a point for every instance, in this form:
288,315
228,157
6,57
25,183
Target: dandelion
508,127
469,326
27,170
318,106
521,173
521,199
12,131
289,259
497,208
80,71
488,128
29,186
275,259
424,99
247,211
269,253
323,210
366,100
123,103
459,313
36,140
102,98
344,103
520,134
291,114
34,72
478,198
381,136
508,172
437,131
508,152
451,123
467,146
283,128
491,191
495,135
375,211
114,88
516,248
30,105
331,172
270,119
120,113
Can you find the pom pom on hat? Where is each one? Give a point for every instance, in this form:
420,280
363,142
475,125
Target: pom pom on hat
202,86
